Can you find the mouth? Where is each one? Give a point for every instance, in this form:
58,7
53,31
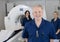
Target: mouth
38,16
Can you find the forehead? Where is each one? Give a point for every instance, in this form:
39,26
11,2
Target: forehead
36,8
55,14
27,12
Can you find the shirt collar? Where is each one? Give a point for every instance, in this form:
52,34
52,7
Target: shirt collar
42,22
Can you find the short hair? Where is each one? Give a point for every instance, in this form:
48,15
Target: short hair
56,12
39,6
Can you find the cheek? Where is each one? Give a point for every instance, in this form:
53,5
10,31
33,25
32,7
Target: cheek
42,14
54,15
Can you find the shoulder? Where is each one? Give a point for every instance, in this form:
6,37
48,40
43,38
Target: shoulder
59,19
24,18
52,19
48,23
29,23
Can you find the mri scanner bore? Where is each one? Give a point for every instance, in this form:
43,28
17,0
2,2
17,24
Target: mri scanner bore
13,22
14,18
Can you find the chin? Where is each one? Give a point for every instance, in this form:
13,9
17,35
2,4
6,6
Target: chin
38,19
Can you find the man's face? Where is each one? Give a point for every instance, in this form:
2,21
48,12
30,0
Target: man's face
37,13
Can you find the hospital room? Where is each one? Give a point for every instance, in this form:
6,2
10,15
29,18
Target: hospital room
29,20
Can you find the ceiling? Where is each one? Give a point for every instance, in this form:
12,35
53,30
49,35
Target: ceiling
26,0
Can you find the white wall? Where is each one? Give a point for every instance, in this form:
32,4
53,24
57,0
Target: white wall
2,14
28,3
51,6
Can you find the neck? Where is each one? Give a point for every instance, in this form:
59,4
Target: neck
38,22
27,18
55,19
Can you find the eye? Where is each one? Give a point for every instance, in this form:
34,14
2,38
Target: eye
39,11
35,12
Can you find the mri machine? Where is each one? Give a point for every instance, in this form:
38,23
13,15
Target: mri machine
13,22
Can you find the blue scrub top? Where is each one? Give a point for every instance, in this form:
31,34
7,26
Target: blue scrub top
25,20
46,31
57,26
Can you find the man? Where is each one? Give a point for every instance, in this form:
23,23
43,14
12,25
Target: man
38,30
56,22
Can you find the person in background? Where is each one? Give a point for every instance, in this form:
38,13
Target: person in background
27,18
38,29
56,22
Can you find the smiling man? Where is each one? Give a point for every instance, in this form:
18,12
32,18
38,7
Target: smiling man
38,29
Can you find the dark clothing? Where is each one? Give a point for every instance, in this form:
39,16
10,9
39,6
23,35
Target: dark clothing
25,20
57,26
45,31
